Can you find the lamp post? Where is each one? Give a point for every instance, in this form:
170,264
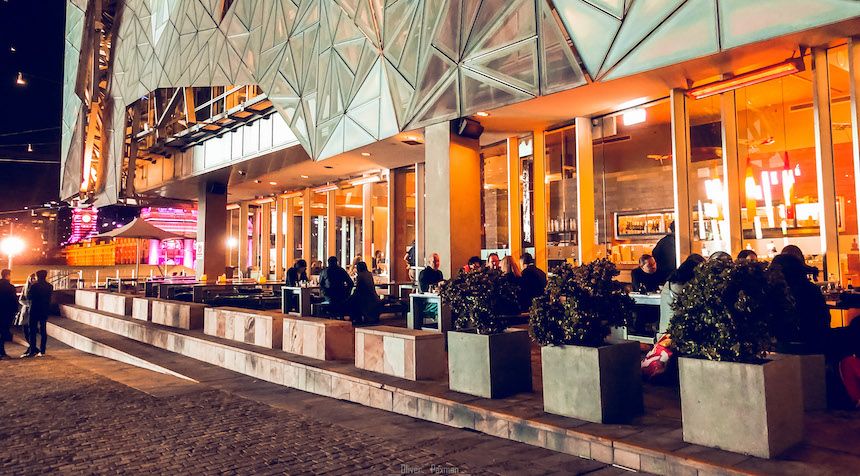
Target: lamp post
11,246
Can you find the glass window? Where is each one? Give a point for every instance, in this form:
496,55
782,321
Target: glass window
634,198
233,237
846,195
319,223
561,196
379,240
348,227
776,150
526,152
295,212
494,199
409,229
708,200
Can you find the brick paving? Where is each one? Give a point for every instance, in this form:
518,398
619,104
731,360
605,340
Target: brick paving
60,417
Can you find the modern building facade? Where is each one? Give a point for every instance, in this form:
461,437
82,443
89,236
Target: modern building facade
309,128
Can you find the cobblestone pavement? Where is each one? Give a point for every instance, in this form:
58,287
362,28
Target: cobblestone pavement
60,417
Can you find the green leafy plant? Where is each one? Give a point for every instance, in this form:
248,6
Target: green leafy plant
580,305
730,312
480,300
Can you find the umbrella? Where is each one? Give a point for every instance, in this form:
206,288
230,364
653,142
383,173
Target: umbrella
141,230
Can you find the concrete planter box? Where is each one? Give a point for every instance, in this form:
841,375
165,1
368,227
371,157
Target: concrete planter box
489,366
262,328
178,314
323,339
597,384
753,409
406,353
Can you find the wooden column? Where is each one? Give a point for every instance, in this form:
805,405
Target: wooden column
306,226
515,198
265,239
585,239
732,172
280,239
681,174
540,194
824,163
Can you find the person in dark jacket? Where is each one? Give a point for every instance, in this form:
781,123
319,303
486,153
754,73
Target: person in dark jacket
430,275
532,281
811,329
298,273
335,285
664,255
511,272
363,305
793,250
39,295
647,278
8,308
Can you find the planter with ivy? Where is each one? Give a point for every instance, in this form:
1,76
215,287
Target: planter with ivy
484,357
587,375
735,395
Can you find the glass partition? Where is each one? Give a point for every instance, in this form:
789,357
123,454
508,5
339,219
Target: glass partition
348,225
494,199
319,225
561,196
410,226
776,148
379,239
295,212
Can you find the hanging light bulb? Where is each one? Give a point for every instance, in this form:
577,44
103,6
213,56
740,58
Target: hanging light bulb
20,81
29,147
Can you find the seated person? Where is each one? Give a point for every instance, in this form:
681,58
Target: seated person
363,305
674,285
810,329
298,273
475,263
795,251
430,275
532,280
645,277
747,255
335,285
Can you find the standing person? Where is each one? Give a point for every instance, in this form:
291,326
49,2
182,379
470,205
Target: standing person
8,308
39,296
430,275
664,255
493,261
533,281
22,319
363,305
335,285
646,278
298,273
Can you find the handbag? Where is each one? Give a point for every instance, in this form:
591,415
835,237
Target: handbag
22,317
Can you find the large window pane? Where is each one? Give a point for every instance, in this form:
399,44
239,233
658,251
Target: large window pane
561,196
296,212
319,224
494,199
527,181
706,181
776,150
379,240
348,228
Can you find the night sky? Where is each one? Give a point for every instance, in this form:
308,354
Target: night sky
34,28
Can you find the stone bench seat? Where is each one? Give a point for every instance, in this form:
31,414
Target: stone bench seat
406,353
115,303
87,298
317,338
178,314
262,328
141,308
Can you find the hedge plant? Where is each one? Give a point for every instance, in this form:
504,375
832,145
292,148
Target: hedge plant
731,312
580,305
480,300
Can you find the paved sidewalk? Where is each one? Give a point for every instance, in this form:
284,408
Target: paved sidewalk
74,413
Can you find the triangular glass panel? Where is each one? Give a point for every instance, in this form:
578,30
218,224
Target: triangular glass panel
560,70
437,67
371,86
409,60
467,18
443,106
309,15
397,15
515,65
447,34
488,16
642,18
369,57
397,34
690,32
401,92
365,21
481,93
330,138
355,136
591,30
367,115
351,51
612,7
387,117
519,23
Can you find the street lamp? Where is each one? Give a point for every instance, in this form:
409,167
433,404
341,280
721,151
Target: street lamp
20,81
11,246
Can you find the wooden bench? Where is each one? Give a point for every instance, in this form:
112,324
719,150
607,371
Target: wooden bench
406,353
87,298
323,339
261,328
115,303
182,315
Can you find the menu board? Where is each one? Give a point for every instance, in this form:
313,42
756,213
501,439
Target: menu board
643,224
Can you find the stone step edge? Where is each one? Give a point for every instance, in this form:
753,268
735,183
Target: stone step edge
546,435
90,345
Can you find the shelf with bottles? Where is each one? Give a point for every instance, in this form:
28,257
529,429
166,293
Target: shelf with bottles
639,224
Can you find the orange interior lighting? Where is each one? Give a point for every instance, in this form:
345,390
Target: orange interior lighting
785,68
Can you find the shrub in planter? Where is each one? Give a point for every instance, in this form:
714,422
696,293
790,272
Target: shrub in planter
485,358
584,376
733,396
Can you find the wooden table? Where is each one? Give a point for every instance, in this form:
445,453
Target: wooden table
305,294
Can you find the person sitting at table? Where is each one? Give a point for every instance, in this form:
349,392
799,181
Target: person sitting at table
493,261
674,285
316,268
298,273
645,278
430,275
335,285
795,251
533,280
720,256
363,306
810,326
746,255
475,263
511,272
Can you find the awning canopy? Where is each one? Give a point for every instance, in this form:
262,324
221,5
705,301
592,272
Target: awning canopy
140,229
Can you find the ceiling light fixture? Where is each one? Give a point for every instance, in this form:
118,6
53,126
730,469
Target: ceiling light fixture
482,114
273,183
634,116
292,195
20,81
787,67
365,154
326,188
303,176
364,180
257,181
